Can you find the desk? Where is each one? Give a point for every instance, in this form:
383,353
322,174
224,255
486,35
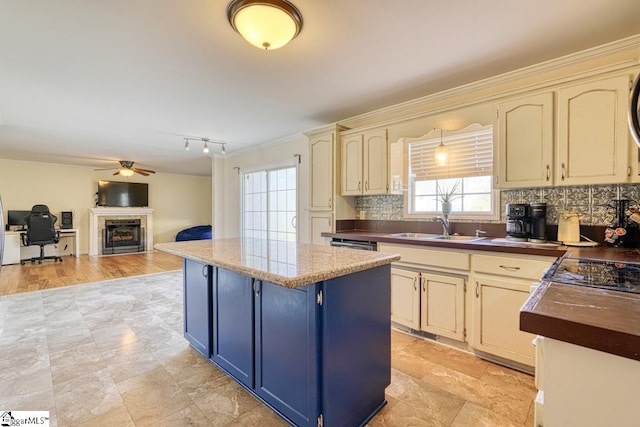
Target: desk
14,251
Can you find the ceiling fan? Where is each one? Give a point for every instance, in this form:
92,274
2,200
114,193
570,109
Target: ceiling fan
127,169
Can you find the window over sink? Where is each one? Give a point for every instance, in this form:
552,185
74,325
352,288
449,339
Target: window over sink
468,174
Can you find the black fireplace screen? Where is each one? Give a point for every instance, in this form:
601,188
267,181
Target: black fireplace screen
122,236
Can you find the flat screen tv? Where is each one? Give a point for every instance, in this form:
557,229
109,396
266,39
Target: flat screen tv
123,194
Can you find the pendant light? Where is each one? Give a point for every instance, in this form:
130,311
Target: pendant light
442,152
266,24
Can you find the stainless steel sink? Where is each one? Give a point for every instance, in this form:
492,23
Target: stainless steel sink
457,238
413,235
427,236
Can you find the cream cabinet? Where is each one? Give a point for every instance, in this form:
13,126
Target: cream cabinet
524,137
320,222
587,388
325,204
593,138
592,143
442,305
351,168
365,163
424,295
321,171
500,286
405,297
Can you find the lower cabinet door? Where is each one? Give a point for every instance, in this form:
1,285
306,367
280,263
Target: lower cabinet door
197,305
496,305
232,320
405,297
287,359
442,305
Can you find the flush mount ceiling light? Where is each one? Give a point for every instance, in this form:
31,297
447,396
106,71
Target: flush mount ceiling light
266,24
442,153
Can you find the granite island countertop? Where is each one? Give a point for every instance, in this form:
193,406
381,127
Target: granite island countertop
283,263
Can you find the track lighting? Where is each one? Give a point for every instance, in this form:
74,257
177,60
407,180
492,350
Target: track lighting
206,142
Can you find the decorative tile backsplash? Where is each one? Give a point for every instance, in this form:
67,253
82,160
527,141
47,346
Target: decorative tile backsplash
387,207
591,202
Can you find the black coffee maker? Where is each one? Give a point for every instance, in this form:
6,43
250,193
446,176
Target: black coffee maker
518,221
621,231
538,215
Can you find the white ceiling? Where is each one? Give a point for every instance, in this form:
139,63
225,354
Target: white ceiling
91,82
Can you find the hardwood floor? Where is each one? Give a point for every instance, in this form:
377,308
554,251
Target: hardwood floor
74,271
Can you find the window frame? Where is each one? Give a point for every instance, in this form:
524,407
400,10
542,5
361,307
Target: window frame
409,194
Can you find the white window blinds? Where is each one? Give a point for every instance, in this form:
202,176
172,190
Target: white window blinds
470,154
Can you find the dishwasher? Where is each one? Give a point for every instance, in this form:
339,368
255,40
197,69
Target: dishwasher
355,244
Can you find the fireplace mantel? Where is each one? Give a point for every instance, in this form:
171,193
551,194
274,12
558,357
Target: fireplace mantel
94,221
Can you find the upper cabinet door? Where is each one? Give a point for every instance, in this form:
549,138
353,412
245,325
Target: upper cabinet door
375,164
593,139
321,152
351,165
524,142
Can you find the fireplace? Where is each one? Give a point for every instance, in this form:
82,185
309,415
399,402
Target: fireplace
97,220
122,236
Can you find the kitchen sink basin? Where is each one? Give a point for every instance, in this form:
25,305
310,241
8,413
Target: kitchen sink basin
427,236
457,238
413,235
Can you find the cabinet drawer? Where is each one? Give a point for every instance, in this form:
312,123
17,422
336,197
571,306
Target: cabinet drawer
428,257
531,267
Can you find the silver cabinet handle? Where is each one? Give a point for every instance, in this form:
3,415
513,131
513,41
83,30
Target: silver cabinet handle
359,185
329,202
477,289
256,287
510,268
294,221
415,279
548,172
563,172
204,270
329,221
366,185
423,280
628,170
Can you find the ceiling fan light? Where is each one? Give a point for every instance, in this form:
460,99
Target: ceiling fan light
125,172
205,149
223,150
186,145
266,24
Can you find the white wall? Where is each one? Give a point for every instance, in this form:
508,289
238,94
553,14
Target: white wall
227,183
179,201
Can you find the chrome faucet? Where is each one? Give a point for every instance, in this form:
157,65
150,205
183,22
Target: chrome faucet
445,224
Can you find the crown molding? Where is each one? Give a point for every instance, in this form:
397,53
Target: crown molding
628,49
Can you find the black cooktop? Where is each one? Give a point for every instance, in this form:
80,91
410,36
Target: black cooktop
612,275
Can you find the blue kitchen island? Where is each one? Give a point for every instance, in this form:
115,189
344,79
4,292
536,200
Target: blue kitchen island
304,328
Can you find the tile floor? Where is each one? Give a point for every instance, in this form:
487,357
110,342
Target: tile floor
112,353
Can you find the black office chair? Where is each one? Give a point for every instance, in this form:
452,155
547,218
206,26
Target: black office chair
40,231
